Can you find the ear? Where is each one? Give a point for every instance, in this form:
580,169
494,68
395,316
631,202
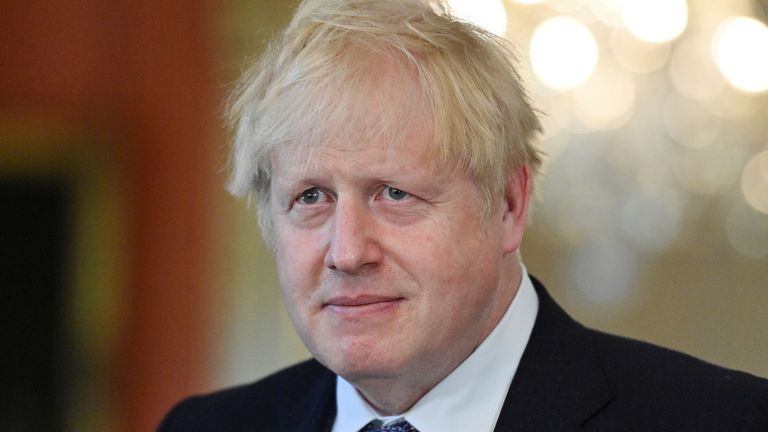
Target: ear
515,208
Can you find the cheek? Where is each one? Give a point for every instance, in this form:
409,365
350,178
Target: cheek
461,265
297,288
299,265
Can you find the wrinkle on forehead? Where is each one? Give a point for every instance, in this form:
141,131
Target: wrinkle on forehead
383,159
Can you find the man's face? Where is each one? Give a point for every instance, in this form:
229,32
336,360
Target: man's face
387,267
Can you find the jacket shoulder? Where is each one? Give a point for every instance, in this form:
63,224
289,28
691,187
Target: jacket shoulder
268,404
646,378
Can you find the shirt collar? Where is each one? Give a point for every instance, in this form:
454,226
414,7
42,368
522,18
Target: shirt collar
471,397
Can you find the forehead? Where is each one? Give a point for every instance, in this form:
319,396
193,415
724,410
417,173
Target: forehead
404,153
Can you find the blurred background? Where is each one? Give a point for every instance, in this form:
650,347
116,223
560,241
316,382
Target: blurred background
129,278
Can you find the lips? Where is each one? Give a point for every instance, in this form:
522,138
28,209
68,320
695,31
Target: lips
363,308
361,300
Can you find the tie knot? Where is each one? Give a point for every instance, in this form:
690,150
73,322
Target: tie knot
399,425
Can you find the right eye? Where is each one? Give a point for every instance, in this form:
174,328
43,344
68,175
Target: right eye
311,196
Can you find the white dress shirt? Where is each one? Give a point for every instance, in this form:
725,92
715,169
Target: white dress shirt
469,398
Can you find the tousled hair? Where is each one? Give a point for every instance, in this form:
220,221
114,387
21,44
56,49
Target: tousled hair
313,85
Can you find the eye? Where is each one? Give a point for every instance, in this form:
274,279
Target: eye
394,194
311,196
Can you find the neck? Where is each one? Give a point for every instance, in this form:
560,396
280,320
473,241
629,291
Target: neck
391,401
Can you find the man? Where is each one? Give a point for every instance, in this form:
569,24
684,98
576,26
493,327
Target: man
390,148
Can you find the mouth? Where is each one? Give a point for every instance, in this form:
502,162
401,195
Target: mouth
363,304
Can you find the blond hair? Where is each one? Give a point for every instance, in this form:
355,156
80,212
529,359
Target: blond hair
311,86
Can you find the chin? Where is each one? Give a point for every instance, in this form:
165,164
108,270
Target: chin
356,365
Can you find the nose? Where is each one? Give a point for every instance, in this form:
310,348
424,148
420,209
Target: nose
353,244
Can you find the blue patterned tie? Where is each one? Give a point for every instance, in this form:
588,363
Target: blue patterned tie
401,425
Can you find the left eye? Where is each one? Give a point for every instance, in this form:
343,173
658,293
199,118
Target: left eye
311,196
395,194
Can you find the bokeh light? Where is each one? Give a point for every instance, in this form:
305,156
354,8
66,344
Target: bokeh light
654,20
747,231
560,108
606,100
488,14
565,6
563,52
606,11
585,211
732,104
711,170
652,219
635,55
754,182
602,270
740,48
690,124
692,71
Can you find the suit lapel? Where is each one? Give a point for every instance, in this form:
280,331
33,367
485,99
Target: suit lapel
317,410
560,382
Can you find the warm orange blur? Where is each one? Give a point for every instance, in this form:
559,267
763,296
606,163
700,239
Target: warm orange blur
131,82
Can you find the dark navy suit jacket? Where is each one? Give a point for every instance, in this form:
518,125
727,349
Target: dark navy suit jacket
570,378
